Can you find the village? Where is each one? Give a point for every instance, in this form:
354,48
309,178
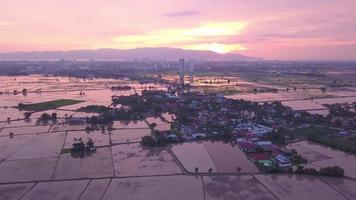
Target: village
261,131
122,132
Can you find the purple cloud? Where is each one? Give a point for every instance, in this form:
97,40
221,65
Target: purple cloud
183,13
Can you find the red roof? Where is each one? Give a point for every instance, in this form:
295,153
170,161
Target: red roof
259,156
247,145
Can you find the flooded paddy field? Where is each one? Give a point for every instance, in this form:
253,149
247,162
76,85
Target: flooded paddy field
9,146
24,130
69,190
290,187
235,187
249,187
99,138
41,89
218,156
344,186
348,163
41,146
129,125
135,160
315,152
95,165
322,156
96,189
279,96
228,158
336,100
153,188
19,123
67,127
310,100
14,191
120,136
27,170
163,127
303,105
194,155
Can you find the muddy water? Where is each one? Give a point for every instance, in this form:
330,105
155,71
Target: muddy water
228,158
289,187
193,155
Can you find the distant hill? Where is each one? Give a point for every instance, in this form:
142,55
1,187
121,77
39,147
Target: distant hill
116,54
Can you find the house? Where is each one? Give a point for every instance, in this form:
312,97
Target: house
264,143
261,158
261,130
344,133
258,156
270,148
198,136
283,161
247,146
172,138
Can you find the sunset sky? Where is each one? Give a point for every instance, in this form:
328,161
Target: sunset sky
273,29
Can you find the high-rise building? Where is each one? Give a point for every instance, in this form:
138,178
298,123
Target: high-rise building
181,71
191,72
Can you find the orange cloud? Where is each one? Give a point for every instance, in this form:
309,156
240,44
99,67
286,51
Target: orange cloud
207,36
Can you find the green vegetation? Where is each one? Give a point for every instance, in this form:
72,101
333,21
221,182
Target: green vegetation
48,105
151,141
347,144
298,159
325,171
334,171
329,137
94,109
81,149
315,130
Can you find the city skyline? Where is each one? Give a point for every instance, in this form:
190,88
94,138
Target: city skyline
296,30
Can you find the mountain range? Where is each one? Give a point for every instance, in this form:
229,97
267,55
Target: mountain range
129,54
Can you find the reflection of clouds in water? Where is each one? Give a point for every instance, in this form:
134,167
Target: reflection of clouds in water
235,187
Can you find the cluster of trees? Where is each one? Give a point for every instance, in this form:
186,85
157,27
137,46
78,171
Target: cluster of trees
81,148
298,159
15,92
125,88
152,141
94,109
133,108
161,138
104,118
325,136
255,90
277,137
341,110
334,171
45,117
325,171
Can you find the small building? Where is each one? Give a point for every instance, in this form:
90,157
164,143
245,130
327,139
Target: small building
264,143
283,161
197,136
172,138
247,146
344,133
261,158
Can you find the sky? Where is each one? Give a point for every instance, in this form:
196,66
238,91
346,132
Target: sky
272,29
